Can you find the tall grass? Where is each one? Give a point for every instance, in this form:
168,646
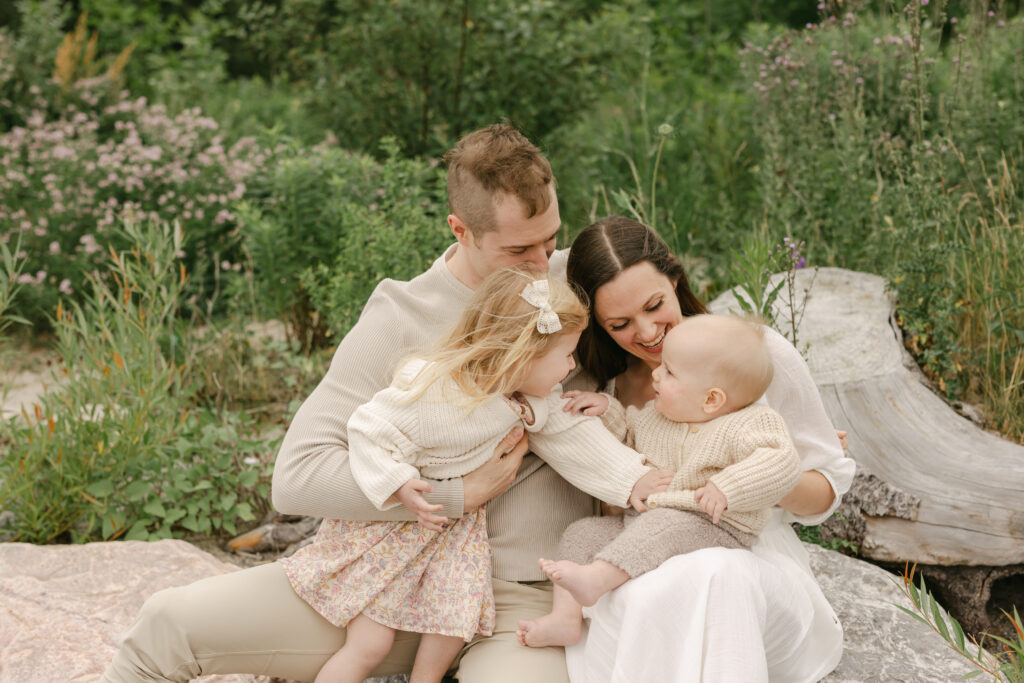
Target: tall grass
894,144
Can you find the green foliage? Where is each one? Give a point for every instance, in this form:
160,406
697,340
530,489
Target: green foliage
103,455
1004,666
324,227
426,71
812,534
866,122
751,271
64,183
26,59
10,272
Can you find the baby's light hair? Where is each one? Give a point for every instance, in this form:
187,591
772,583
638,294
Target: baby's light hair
492,347
742,361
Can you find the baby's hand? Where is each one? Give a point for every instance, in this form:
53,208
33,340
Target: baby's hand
653,482
585,402
411,495
711,500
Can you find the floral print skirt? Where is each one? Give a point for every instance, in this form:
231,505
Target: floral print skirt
400,575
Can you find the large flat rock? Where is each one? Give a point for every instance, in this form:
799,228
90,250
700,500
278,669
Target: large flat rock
63,608
882,644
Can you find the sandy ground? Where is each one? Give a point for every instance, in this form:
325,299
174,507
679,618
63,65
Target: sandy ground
25,374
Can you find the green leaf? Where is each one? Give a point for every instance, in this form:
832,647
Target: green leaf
100,489
191,523
248,478
228,500
137,490
958,635
138,532
107,529
940,622
155,508
173,516
914,614
244,511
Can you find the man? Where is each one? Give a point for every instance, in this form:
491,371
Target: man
504,210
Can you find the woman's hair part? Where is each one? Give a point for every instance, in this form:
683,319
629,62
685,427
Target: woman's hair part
598,254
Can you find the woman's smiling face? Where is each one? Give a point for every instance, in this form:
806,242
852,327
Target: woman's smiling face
637,308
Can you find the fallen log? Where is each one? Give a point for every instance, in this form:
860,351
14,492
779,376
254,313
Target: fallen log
962,486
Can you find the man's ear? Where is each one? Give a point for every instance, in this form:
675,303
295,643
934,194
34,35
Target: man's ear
714,400
459,230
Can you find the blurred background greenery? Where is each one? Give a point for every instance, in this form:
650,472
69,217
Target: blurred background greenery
290,151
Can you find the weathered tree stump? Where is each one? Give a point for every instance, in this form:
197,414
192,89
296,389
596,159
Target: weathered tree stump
933,487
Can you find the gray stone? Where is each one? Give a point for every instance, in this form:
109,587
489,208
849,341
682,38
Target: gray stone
882,643
65,607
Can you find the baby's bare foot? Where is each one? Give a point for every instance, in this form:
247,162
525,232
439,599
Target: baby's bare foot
551,629
582,581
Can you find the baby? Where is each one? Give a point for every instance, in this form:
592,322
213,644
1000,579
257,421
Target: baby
733,461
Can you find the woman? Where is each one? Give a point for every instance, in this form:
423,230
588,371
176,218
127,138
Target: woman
715,614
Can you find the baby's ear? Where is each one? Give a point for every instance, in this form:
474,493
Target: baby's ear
714,400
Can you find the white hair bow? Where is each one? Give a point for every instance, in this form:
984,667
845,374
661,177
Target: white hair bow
537,294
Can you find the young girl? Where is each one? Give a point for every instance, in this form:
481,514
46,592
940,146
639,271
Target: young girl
443,416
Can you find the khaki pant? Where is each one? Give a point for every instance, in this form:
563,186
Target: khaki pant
251,621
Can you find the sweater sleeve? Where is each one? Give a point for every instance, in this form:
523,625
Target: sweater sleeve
614,418
381,439
680,499
795,397
767,468
312,473
587,455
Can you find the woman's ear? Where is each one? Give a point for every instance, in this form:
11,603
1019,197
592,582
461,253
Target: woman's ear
714,400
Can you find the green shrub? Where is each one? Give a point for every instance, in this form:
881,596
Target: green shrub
346,221
118,448
427,71
892,144
65,183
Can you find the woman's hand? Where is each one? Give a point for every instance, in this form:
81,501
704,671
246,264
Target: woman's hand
842,434
653,482
411,496
585,402
493,478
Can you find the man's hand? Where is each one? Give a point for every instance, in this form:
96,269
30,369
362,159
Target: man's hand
711,500
493,478
411,496
653,482
585,402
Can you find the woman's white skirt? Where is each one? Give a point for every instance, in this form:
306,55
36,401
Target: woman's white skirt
714,616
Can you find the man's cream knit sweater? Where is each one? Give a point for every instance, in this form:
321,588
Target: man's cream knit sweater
393,440
747,454
312,473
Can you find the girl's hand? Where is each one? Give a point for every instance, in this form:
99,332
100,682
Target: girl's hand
585,402
411,495
711,500
653,482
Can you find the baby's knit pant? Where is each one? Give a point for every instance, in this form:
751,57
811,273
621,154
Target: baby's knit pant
639,543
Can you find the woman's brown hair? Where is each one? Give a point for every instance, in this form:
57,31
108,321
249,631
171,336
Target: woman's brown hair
598,254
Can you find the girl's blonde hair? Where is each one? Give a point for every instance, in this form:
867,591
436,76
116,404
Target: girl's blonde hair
492,347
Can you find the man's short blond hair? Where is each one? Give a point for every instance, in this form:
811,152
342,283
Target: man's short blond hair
492,161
